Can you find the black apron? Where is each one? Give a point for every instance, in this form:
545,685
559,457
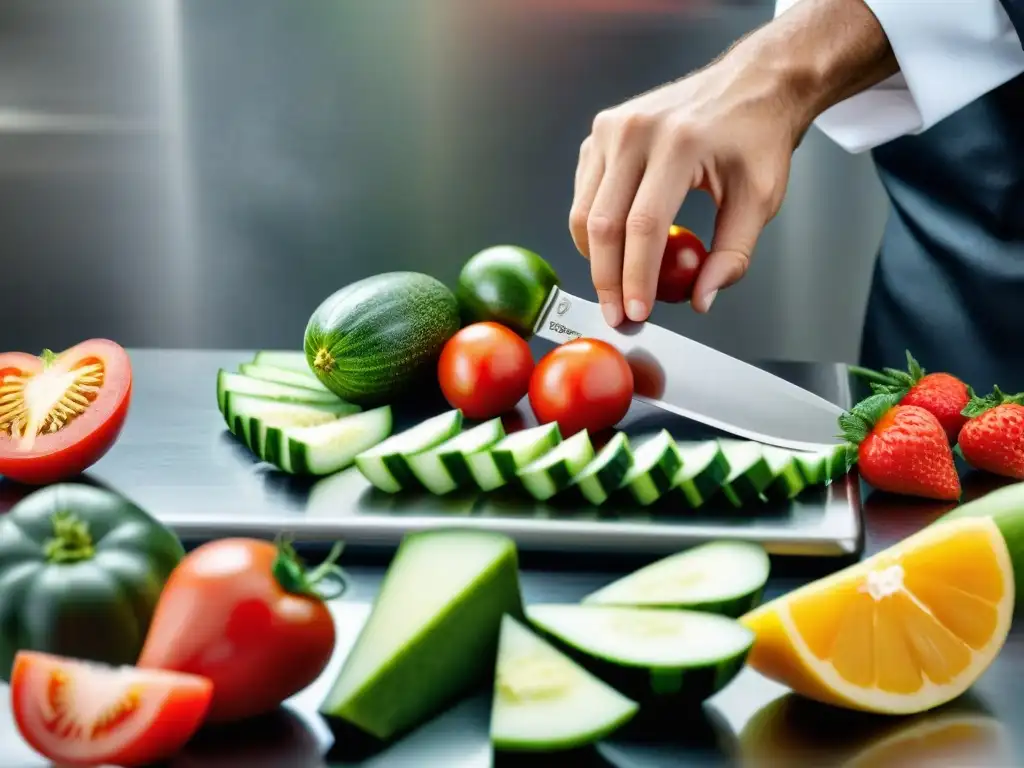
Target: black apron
949,281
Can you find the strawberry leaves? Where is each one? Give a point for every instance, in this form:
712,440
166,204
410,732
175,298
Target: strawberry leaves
978,405
891,380
857,423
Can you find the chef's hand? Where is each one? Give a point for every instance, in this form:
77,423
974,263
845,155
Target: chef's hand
730,130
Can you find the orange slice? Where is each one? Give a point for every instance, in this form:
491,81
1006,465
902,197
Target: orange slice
904,631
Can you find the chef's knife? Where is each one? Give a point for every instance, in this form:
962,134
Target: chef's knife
700,383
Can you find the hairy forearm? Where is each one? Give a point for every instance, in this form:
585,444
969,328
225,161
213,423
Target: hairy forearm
821,52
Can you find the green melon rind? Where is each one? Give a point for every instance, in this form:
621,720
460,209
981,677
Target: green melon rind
450,656
379,336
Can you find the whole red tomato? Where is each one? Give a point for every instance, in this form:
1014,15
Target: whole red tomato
244,614
484,370
584,384
684,255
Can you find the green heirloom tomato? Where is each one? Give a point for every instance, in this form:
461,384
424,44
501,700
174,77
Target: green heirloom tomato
81,569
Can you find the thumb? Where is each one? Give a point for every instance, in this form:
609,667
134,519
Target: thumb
737,229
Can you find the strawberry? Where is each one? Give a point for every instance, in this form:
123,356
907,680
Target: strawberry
993,437
901,448
942,394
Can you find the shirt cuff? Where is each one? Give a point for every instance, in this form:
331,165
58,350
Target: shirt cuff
950,52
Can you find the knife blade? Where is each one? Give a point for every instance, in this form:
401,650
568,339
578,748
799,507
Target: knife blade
693,380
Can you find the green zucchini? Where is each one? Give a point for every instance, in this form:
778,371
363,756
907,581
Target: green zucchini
445,468
249,417
238,384
723,577
327,448
605,473
554,471
499,465
749,473
704,470
375,339
386,464
432,635
822,467
281,376
661,657
546,702
292,361
655,465
787,479
505,284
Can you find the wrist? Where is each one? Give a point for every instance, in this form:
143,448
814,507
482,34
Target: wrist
819,53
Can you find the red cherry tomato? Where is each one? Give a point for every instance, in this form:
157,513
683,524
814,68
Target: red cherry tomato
485,370
684,255
242,613
83,713
584,384
59,414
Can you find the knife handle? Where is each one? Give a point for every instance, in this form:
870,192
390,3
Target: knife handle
684,256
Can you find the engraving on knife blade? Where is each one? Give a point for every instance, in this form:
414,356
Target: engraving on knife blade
561,330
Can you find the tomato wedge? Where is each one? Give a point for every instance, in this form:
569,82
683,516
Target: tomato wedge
59,414
80,713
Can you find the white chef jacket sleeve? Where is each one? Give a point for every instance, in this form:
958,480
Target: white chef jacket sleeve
950,52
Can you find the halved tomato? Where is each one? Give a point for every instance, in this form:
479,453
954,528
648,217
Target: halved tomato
81,713
59,414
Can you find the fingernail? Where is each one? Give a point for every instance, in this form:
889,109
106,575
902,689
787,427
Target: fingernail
636,310
612,313
709,299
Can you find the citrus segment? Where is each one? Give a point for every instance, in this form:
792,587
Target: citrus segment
904,631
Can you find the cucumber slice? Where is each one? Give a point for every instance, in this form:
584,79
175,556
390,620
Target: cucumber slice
432,635
544,701
787,481
554,471
661,656
822,467
446,467
655,465
292,361
723,577
327,448
493,468
605,473
249,417
238,384
281,376
386,465
749,473
704,470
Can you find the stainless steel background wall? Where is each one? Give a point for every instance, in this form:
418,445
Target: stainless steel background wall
204,172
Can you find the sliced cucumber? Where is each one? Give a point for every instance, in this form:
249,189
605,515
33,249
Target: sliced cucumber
327,448
787,479
497,466
238,384
655,465
749,473
606,471
249,417
662,656
432,635
281,376
822,467
723,577
292,361
445,468
386,465
554,471
546,702
705,468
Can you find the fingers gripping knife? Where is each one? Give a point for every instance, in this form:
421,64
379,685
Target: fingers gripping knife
701,383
